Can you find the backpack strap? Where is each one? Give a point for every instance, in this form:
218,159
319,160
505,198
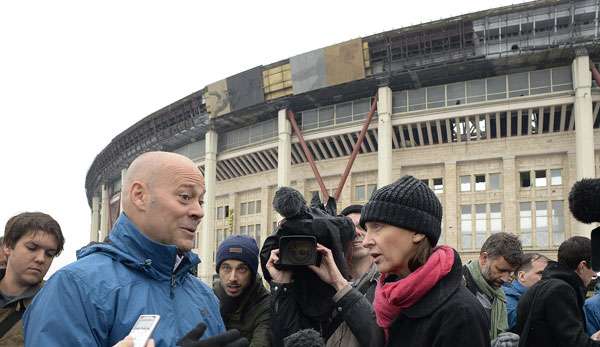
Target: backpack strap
12,319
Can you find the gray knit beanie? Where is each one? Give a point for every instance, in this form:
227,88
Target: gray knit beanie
407,203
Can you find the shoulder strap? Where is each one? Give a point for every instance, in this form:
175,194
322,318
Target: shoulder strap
12,319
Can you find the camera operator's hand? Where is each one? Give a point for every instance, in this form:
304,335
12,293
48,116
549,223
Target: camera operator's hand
230,338
279,276
328,271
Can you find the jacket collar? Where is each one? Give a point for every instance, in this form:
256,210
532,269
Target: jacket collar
517,287
439,294
127,244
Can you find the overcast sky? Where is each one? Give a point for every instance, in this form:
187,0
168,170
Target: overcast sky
74,74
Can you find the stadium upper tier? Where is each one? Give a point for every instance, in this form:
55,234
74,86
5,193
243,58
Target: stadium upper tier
502,53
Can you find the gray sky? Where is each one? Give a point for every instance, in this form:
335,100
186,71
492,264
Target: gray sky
74,74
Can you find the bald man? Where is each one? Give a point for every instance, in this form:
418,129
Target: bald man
143,268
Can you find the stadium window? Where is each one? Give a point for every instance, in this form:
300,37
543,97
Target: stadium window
494,181
541,223
525,223
359,193
479,183
243,208
480,225
540,178
525,177
495,218
465,183
558,223
251,207
220,213
438,185
243,230
425,181
257,206
556,177
466,228
257,234
371,188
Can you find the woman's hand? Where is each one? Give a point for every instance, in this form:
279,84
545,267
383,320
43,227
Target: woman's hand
279,276
328,271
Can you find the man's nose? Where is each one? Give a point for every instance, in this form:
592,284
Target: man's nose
232,275
367,241
197,211
40,256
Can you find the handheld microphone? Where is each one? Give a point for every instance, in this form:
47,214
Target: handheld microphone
584,203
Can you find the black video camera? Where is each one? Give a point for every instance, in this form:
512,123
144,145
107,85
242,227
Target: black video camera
297,236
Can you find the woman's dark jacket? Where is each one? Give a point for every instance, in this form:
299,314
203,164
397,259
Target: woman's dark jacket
448,315
556,307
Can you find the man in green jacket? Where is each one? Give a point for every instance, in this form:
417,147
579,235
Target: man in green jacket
245,303
31,241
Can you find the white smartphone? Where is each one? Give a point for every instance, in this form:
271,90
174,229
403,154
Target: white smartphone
143,328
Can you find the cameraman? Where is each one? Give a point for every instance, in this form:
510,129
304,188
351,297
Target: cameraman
350,304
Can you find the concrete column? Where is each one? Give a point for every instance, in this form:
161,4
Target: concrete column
123,189
584,122
207,236
384,136
346,196
104,213
284,150
95,228
450,205
584,127
509,187
233,223
265,213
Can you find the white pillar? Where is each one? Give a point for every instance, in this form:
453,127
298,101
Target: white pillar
95,218
123,189
584,127
510,187
104,213
384,136
284,150
450,205
207,235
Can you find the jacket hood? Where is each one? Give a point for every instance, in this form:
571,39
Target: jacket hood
127,245
439,294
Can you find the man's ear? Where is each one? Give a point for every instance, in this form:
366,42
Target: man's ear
581,266
521,276
139,195
7,250
483,258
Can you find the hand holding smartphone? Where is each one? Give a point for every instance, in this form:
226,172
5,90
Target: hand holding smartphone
143,328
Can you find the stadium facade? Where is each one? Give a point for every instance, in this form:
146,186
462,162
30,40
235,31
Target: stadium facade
496,111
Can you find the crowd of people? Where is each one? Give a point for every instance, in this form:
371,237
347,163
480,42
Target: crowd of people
401,289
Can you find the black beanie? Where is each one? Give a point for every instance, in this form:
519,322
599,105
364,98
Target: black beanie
407,203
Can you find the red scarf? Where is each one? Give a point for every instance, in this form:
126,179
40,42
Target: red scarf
391,298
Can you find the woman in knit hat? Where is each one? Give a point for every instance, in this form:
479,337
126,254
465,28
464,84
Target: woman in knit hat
420,299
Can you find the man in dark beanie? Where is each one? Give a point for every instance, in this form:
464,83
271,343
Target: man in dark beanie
245,303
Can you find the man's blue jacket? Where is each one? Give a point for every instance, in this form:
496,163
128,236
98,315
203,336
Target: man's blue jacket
513,292
96,300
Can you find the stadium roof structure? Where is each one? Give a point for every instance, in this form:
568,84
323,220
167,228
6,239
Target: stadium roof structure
517,38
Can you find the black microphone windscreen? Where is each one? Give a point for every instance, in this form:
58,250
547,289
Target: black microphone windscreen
288,202
584,200
596,249
304,338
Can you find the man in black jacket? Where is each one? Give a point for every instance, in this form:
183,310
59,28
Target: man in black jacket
551,312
